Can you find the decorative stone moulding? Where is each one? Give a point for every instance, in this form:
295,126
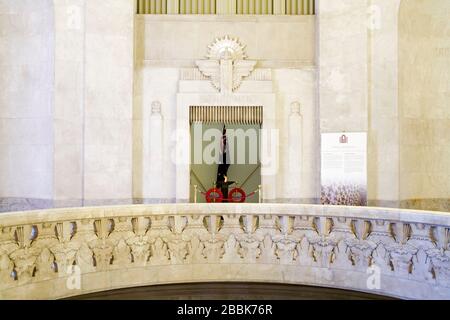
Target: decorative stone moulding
68,252
245,115
156,107
295,107
194,74
226,65
224,7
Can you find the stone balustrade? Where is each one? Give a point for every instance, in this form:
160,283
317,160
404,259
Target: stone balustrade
68,252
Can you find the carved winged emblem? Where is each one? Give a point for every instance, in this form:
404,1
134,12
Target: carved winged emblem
226,66
211,70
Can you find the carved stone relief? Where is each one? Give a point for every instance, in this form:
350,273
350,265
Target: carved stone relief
226,65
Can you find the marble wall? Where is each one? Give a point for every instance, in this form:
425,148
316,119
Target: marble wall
424,61
157,80
383,115
26,104
108,100
342,55
382,69
79,79
154,85
177,41
358,86
66,115
298,86
68,122
94,59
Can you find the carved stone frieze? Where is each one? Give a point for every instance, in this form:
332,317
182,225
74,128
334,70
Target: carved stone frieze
226,65
39,252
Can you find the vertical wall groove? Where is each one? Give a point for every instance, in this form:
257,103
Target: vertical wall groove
253,7
226,114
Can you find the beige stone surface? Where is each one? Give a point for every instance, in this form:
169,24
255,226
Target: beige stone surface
423,100
339,247
292,37
342,61
79,78
26,99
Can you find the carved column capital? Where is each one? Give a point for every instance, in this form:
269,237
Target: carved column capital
156,107
295,108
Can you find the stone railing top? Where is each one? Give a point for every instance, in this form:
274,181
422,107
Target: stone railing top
368,213
68,252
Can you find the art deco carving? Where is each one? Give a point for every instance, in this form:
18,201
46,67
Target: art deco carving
156,107
194,74
226,65
37,252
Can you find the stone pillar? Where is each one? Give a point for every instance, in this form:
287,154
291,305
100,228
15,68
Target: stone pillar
173,6
181,155
69,103
26,104
343,75
279,7
270,146
226,6
383,143
295,143
108,101
153,151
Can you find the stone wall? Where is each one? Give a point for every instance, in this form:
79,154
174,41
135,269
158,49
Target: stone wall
93,102
424,61
68,122
79,79
383,123
26,104
108,98
169,44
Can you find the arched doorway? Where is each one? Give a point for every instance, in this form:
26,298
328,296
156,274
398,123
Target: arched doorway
225,140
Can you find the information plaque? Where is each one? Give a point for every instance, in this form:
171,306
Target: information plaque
344,168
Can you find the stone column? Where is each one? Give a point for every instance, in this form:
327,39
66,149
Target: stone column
154,150
69,103
279,7
270,145
383,143
181,154
173,6
226,6
108,101
295,143
343,75
26,104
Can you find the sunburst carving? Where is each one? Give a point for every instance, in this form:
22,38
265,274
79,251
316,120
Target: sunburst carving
226,48
226,66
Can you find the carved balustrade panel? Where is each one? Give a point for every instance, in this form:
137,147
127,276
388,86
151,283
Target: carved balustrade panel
122,239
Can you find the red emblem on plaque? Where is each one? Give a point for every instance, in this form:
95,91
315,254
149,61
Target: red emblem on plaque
343,139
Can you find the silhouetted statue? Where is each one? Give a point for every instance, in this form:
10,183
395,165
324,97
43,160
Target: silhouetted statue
222,171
